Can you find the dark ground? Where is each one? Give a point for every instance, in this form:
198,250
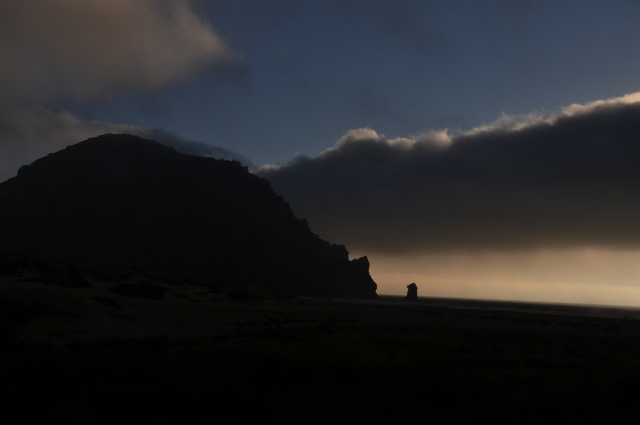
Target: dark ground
78,354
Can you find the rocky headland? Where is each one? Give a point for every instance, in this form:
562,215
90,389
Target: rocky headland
123,201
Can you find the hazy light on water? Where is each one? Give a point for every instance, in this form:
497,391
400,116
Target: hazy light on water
585,276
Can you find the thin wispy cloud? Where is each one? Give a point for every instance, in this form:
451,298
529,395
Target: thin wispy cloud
90,51
27,134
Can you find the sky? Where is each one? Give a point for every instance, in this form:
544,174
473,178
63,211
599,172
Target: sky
481,149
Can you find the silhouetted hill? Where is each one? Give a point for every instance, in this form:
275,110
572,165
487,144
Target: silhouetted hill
120,200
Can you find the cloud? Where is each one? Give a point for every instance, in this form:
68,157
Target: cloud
543,181
28,134
89,50
519,122
192,147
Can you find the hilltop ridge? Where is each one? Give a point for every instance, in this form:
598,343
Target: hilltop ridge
122,201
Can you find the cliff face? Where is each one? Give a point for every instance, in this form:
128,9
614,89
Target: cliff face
120,200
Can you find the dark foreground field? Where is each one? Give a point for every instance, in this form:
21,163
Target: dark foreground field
111,353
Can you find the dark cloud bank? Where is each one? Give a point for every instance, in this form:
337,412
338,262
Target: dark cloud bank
567,182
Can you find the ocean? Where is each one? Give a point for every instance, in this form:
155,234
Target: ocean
556,309
522,307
